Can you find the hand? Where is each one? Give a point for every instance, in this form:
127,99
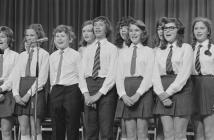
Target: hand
127,100
95,97
19,100
26,98
135,97
87,98
163,96
2,98
167,102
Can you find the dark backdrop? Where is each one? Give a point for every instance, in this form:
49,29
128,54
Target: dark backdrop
18,14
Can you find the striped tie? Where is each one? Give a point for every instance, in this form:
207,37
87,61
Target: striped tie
169,69
30,56
197,61
133,62
96,66
59,67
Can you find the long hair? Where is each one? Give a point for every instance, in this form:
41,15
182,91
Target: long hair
180,32
9,33
144,36
82,42
208,24
156,40
124,21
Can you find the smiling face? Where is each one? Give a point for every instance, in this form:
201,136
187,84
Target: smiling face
200,31
124,32
30,36
61,40
100,29
3,41
88,34
135,33
170,32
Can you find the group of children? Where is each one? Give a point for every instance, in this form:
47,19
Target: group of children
133,80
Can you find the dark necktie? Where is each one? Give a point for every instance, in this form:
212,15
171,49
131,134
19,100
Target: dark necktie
169,69
96,66
1,64
133,61
197,61
59,67
30,56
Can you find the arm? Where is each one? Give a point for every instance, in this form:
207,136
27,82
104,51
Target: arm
110,77
184,73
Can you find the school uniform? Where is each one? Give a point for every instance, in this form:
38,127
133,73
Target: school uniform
203,79
175,82
129,83
26,68
101,118
65,96
9,61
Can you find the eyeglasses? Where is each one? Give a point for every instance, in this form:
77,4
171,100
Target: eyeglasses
170,28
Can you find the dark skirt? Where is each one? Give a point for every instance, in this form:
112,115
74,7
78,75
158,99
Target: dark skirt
182,100
142,108
29,108
203,93
7,106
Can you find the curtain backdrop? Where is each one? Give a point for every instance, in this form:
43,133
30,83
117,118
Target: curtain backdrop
18,14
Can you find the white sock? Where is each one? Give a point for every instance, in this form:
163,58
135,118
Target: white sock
25,137
123,139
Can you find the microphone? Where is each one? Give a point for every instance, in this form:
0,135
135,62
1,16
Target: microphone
40,40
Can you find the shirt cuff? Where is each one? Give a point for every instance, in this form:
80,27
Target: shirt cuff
121,94
103,90
15,93
170,91
83,90
4,88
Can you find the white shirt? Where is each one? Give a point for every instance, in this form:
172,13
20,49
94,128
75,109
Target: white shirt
182,58
21,67
144,68
108,57
70,67
206,61
9,61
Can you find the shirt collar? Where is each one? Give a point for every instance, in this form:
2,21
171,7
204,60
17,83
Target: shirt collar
6,51
65,50
102,41
204,43
137,45
174,44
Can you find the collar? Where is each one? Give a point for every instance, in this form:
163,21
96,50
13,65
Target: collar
64,50
174,44
204,43
138,45
6,51
102,41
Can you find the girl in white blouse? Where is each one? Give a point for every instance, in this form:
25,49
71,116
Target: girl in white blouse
122,42
173,63
134,72
27,69
203,71
8,60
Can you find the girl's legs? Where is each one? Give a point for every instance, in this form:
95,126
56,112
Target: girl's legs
6,128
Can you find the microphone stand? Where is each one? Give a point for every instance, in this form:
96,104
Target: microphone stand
36,91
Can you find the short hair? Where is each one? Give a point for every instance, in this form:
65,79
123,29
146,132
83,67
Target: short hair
9,33
83,43
180,32
144,36
124,21
107,23
38,29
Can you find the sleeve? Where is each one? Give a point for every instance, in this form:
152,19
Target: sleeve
43,74
156,79
82,81
120,77
16,76
146,83
52,77
184,72
8,83
110,78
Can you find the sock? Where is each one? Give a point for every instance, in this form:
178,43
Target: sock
25,137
